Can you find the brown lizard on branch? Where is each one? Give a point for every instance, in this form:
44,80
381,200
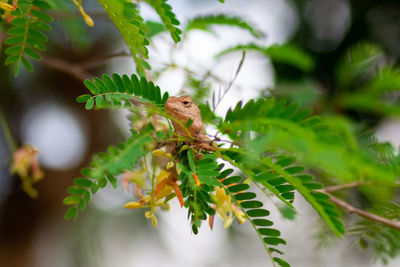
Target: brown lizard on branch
181,109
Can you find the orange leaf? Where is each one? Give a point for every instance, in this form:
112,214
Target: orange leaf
160,186
178,193
196,179
211,221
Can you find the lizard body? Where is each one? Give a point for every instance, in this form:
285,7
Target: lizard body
181,109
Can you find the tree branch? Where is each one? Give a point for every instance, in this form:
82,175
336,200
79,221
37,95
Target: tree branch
99,60
78,70
74,69
370,216
334,188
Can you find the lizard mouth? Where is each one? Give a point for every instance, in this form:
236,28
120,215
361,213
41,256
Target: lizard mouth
181,112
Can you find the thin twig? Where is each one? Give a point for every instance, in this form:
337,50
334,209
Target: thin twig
7,132
334,188
370,216
230,83
339,187
100,60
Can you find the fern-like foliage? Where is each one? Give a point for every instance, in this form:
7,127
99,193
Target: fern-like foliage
115,92
198,200
364,85
198,197
288,54
204,23
26,36
256,214
103,169
380,240
126,18
168,18
280,125
279,173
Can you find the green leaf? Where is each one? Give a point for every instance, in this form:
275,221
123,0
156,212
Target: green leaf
35,34
288,54
144,87
165,97
76,190
100,85
72,213
83,98
26,64
36,44
32,53
281,262
102,182
245,196
11,59
89,104
262,222
42,16
13,50
42,4
16,31
154,28
250,204
126,18
14,40
136,85
109,83
83,182
238,188
191,160
71,200
204,23
269,232
91,86
274,241
18,21
168,18
118,83
257,212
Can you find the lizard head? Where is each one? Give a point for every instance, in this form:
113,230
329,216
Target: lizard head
182,108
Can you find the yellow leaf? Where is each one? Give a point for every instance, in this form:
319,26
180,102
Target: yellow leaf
162,175
133,205
6,6
165,191
161,153
154,221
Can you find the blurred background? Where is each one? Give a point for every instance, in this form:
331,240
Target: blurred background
41,110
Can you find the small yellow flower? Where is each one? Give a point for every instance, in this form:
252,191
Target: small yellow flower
227,210
150,215
85,16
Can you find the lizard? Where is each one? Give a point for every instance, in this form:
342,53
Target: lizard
181,109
